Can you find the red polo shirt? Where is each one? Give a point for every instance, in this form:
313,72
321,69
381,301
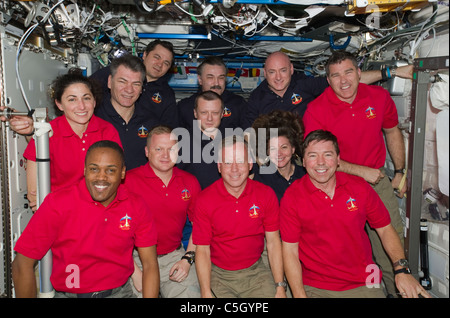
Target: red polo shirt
98,241
68,150
235,227
357,126
170,204
333,246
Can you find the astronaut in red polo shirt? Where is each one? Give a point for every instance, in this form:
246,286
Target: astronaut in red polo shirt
73,133
169,192
362,117
232,217
91,228
326,251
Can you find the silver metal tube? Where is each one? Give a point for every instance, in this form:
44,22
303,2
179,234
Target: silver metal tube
8,113
43,188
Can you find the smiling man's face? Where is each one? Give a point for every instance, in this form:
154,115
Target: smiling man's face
344,79
103,172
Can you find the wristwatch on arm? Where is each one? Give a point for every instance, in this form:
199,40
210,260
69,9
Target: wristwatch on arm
404,264
281,284
393,71
190,257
